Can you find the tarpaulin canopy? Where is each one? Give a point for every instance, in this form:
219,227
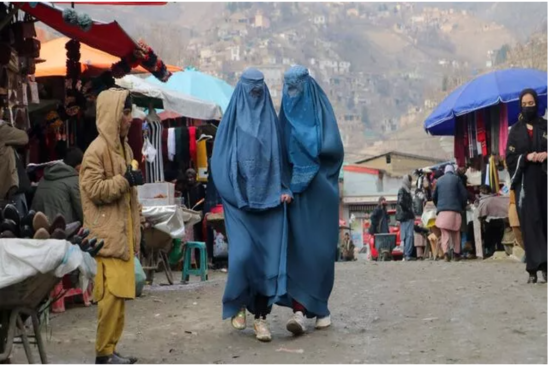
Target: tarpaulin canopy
501,86
107,37
199,85
183,105
91,59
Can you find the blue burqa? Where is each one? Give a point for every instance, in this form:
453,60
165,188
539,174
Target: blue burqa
248,174
315,153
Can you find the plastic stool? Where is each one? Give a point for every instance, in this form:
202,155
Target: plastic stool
187,270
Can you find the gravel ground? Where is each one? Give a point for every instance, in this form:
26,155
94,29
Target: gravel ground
391,312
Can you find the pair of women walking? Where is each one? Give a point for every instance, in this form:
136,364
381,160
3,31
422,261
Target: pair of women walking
278,180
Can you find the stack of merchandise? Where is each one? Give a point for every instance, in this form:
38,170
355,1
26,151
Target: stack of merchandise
36,225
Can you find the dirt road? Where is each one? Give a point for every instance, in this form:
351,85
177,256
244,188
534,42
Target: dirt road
397,312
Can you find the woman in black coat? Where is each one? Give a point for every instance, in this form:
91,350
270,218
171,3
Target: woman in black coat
527,164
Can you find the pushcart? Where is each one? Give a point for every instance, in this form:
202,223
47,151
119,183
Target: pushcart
18,303
165,225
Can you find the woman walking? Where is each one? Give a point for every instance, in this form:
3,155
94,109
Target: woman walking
527,164
450,198
247,172
315,154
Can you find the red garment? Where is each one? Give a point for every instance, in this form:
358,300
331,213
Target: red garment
459,144
530,133
481,132
165,144
192,145
298,307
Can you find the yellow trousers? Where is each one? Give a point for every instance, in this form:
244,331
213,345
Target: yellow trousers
110,323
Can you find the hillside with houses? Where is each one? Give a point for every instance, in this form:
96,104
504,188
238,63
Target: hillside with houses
383,65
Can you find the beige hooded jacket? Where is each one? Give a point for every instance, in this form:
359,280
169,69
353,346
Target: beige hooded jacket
102,183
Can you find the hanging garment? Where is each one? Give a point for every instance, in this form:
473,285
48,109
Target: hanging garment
503,129
171,144
160,166
183,151
459,144
165,143
494,129
476,145
192,145
481,133
494,175
202,161
471,141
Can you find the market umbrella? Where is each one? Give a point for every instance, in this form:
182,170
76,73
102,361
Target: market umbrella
199,85
91,59
501,86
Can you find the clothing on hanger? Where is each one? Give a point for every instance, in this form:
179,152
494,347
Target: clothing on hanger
171,144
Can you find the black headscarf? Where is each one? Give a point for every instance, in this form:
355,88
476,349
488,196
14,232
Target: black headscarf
128,102
531,120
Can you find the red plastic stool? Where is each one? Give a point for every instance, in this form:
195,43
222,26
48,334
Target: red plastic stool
59,305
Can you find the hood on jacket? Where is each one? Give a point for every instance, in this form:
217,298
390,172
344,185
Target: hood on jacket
110,105
59,171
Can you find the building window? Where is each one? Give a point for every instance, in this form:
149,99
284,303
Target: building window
388,159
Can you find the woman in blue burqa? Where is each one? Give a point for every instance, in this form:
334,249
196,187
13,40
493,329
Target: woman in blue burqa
315,154
247,172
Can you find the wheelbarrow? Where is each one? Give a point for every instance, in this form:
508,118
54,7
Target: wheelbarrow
19,302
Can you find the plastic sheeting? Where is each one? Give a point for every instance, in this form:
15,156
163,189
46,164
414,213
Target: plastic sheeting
170,219
23,258
182,104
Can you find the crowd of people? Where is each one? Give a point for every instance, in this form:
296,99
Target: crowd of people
277,177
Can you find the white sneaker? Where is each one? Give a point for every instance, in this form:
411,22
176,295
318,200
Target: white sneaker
262,332
323,323
296,324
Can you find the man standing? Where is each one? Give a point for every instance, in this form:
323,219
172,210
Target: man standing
112,213
58,192
405,215
379,220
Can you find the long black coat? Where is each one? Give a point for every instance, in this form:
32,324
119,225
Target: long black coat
529,181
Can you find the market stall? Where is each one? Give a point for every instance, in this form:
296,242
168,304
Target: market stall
479,115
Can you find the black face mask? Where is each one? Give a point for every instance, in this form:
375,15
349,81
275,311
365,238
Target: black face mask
530,113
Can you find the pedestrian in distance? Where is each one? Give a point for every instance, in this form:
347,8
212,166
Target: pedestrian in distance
405,215
450,199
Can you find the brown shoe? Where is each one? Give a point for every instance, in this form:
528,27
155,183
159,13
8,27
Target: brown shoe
59,234
40,221
446,257
41,234
58,223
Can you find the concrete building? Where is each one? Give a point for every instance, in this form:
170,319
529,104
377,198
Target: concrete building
398,164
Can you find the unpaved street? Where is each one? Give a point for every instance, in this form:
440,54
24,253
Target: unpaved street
413,312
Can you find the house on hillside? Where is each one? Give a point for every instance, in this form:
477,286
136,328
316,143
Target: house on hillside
261,21
399,164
